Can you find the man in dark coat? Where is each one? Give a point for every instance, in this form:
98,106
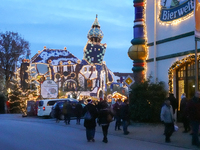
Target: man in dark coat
90,124
184,114
116,108
78,112
57,113
69,112
125,115
194,116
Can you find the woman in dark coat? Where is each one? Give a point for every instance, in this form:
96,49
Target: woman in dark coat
90,124
103,120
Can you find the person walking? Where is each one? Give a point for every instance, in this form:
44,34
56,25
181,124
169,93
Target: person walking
194,116
64,111
125,116
69,112
57,113
167,118
104,118
183,113
116,109
90,124
78,112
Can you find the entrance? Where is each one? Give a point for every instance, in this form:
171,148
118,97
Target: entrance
186,80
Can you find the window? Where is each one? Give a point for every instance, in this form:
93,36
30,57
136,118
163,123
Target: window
51,103
40,103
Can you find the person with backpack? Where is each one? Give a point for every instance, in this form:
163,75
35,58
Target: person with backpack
90,115
104,118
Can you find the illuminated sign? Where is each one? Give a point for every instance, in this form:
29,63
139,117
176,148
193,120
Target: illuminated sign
172,10
49,89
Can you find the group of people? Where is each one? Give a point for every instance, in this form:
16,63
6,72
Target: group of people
68,110
103,113
189,113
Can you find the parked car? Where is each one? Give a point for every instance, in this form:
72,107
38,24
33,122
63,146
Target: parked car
45,105
60,103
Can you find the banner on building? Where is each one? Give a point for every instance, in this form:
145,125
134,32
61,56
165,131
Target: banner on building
175,10
197,20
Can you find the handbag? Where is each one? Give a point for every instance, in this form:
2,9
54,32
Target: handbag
109,118
175,128
87,116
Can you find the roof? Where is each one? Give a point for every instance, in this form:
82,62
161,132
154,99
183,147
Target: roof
55,56
122,74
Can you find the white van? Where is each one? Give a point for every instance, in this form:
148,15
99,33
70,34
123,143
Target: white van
45,105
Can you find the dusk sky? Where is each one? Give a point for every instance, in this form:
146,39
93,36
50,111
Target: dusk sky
65,23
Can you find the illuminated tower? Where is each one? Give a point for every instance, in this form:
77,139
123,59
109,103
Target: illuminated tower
94,51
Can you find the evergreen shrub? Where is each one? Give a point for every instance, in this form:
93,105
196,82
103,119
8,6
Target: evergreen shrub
146,100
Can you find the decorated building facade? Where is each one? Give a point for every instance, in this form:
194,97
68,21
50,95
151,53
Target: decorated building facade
164,44
90,76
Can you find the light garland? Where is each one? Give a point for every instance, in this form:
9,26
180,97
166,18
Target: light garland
177,65
146,39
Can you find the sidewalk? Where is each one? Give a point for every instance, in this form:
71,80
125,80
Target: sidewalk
138,131
154,133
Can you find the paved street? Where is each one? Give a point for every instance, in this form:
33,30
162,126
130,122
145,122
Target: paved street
33,133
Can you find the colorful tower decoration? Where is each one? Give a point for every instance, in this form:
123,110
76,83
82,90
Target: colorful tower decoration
138,51
94,51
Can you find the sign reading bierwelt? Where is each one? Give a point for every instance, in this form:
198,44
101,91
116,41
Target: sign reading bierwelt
171,10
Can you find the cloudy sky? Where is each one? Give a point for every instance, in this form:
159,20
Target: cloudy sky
65,23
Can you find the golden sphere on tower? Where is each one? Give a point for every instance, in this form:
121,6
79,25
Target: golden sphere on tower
136,52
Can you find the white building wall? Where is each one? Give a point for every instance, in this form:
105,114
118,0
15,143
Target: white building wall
167,48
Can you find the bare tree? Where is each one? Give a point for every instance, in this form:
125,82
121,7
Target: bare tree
12,47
